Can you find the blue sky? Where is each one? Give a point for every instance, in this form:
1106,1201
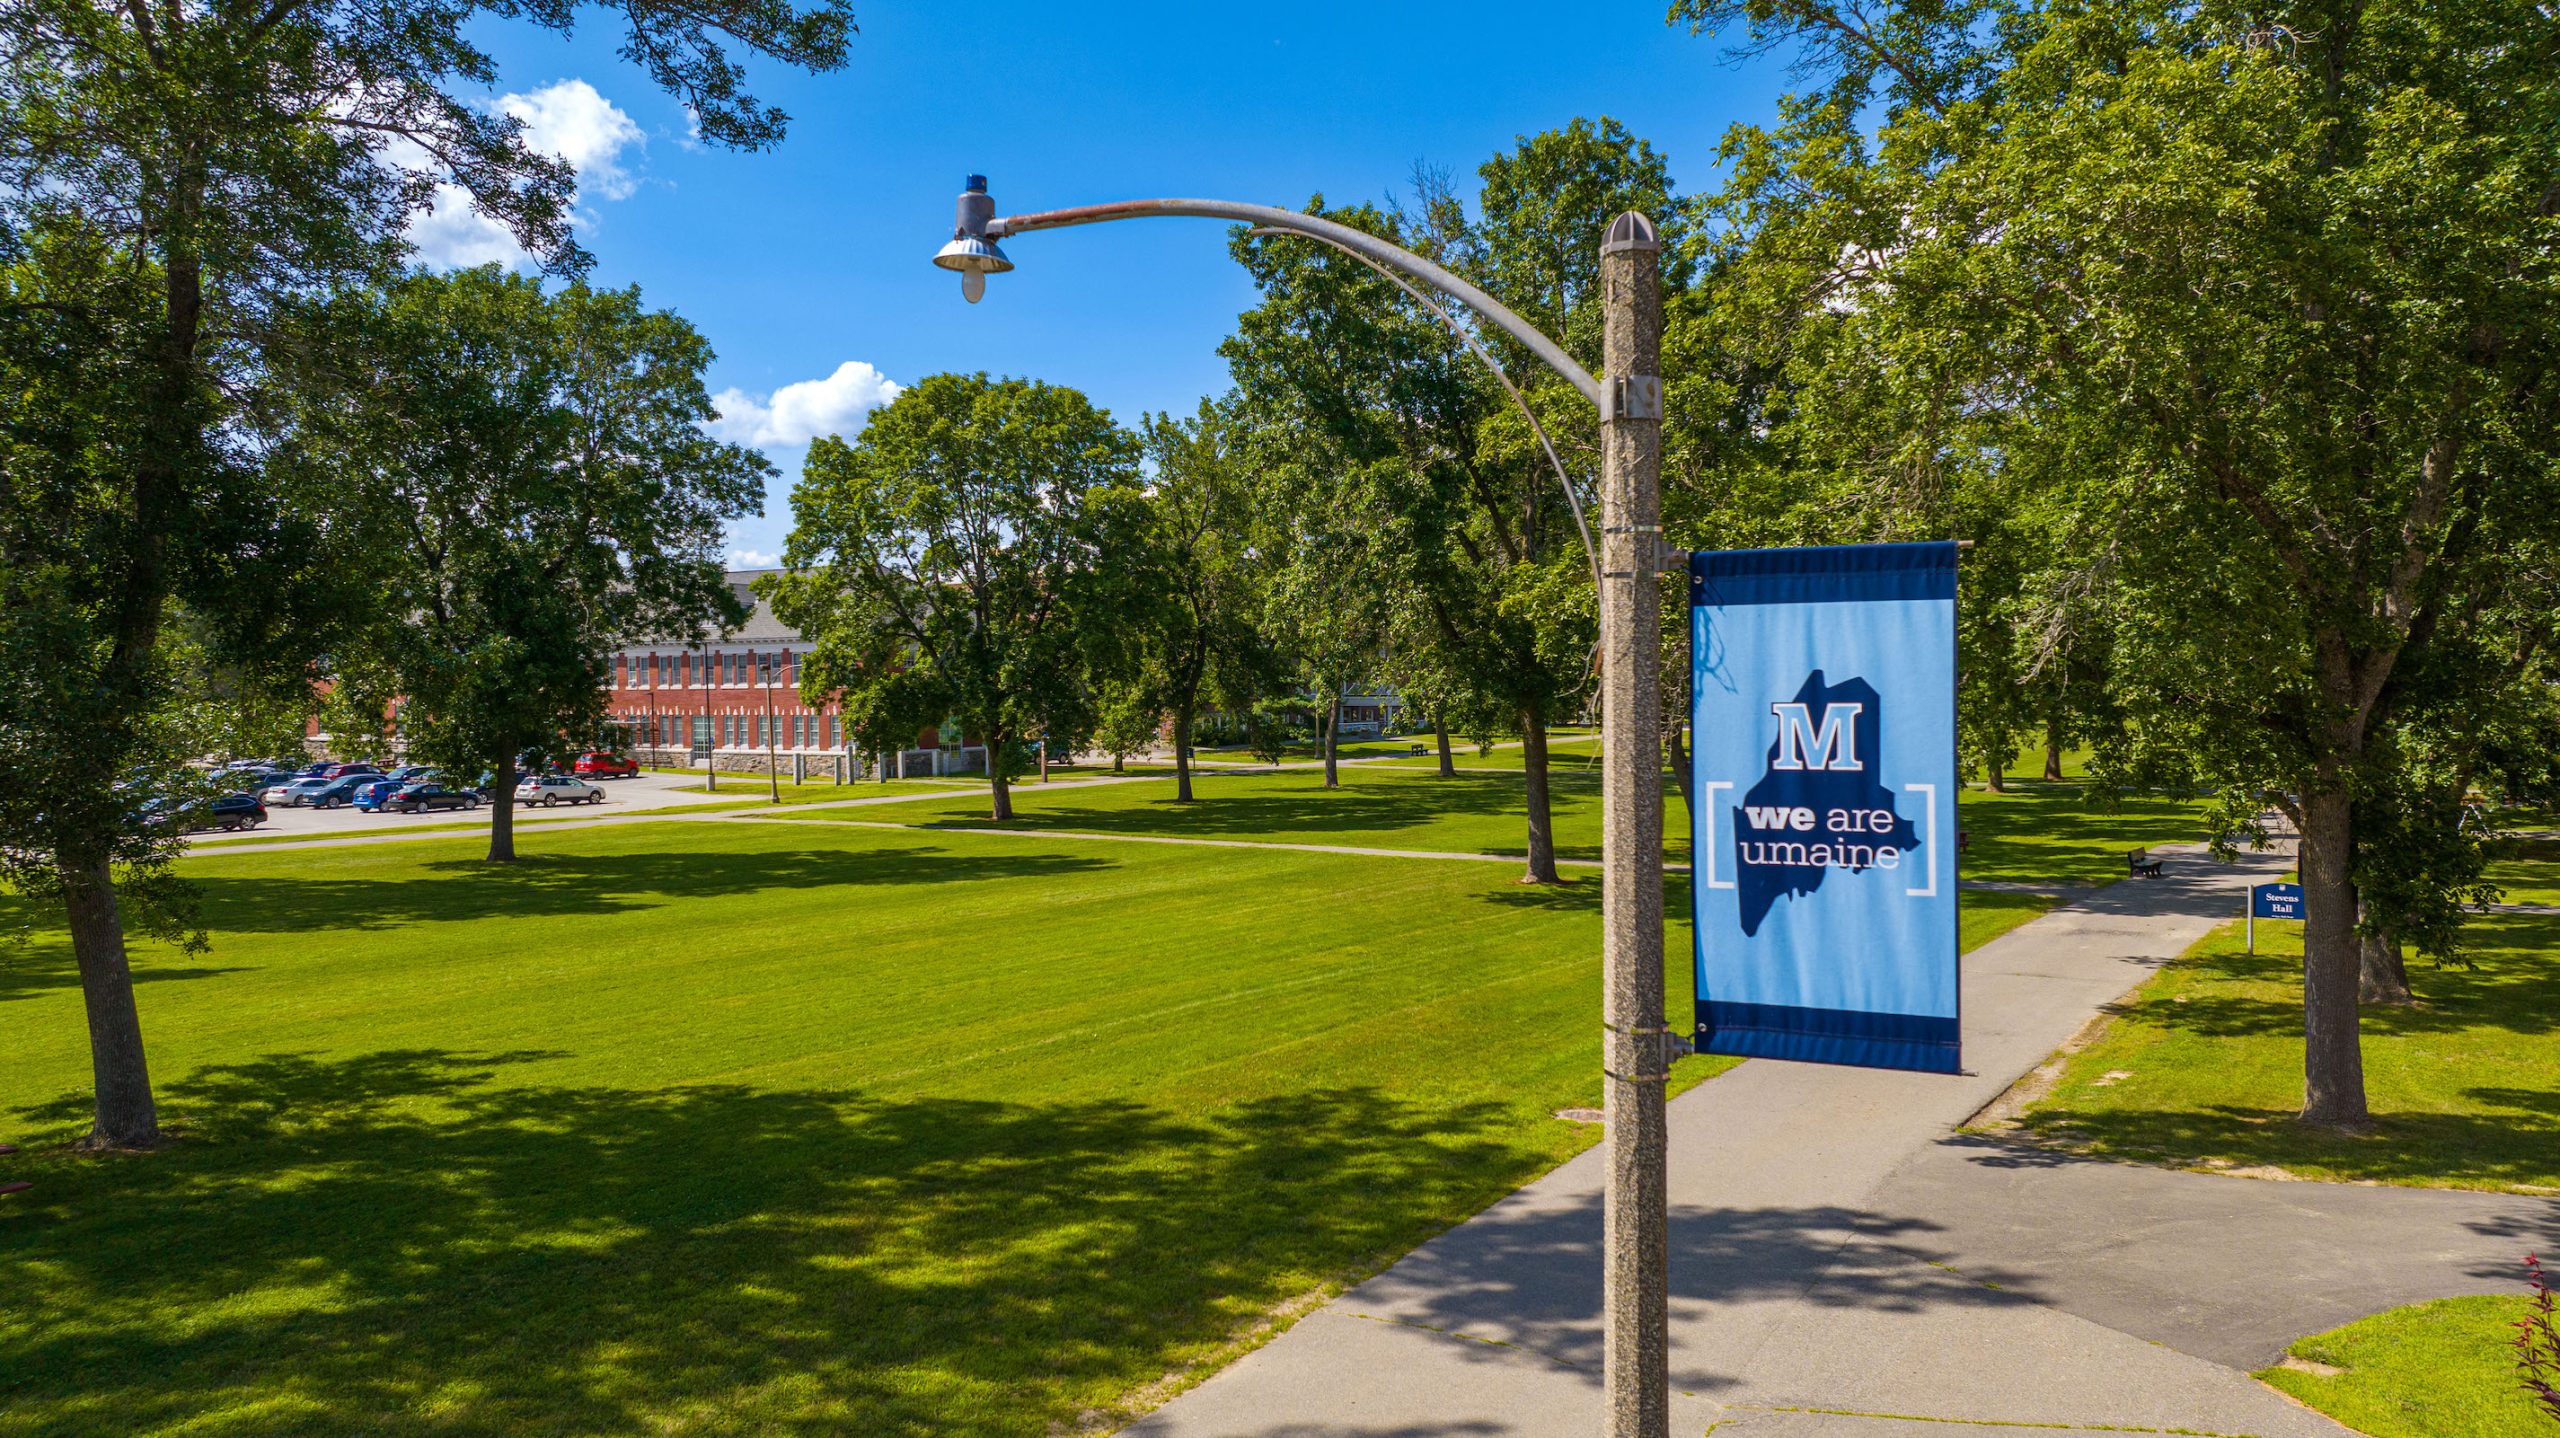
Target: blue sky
806,265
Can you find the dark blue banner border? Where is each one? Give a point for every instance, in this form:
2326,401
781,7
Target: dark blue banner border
1830,1036
1834,574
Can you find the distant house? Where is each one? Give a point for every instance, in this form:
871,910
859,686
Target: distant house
1369,710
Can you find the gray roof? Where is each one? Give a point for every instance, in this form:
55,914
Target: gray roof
761,626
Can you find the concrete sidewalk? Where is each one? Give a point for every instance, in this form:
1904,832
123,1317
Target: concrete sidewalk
1842,1263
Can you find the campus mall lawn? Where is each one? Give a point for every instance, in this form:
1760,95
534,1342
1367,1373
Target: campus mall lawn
727,1128
2204,1069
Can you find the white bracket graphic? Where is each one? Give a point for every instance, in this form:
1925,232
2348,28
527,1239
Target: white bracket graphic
1929,841
1713,809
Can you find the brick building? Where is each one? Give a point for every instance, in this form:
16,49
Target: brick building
728,699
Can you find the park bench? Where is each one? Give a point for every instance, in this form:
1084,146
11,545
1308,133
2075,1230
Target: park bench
2141,865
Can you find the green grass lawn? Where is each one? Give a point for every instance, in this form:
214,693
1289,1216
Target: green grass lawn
798,1127
751,788
2431,1370
748,1129
2462,1086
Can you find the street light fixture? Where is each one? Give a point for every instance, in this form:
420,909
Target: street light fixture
1636,1045
970,251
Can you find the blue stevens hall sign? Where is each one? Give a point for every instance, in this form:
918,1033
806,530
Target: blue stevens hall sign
1825,819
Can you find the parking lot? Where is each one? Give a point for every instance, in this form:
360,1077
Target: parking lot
645,791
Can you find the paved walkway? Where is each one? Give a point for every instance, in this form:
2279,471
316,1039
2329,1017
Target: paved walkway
1844,1265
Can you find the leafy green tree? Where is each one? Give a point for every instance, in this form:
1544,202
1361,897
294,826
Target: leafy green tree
537,488
1204,641
1129,717
182,172
2261,300
964,556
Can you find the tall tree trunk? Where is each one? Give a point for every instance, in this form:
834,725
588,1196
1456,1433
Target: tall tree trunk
126,1116
1119,762
2332,962
1675,737
999,789
1995,782
2383,976
2383,972
1448,765
1542,838
502,810
2053,746
1333,740
1182,755
174,424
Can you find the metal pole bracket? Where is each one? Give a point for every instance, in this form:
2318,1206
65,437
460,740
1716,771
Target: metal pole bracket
1631,396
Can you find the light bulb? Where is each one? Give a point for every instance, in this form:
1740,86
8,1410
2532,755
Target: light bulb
973,285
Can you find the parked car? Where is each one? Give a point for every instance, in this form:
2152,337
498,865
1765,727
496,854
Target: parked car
341,771
429,795
487,788
376,792
414,773
553,789
600,765
293,793
231,811
335,793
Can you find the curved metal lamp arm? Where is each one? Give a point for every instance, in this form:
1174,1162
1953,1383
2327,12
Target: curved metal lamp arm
1359,242
1564,480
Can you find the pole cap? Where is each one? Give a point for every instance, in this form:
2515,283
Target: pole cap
1631,231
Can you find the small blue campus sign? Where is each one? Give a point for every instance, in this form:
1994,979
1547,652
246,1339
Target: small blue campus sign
1825,782
2275,901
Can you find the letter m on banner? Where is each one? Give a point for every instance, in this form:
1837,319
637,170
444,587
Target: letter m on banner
1832,745
1824,830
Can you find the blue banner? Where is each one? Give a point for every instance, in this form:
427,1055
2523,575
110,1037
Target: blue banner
2275,901
1824,777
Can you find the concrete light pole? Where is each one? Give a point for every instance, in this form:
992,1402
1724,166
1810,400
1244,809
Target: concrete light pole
1636,1046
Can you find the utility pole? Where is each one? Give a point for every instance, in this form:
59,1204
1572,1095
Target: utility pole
1636,1044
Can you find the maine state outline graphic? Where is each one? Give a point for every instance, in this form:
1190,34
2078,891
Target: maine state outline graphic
1820,803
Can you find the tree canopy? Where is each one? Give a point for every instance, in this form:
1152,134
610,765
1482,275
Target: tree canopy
966,555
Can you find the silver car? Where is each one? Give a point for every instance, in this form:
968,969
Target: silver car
293,794
551,789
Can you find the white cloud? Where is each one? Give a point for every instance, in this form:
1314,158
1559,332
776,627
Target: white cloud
800,412
568,119
753,559
454,236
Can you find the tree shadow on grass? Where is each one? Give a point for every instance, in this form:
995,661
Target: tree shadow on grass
27,972
2514,988
2450,1150
583,884
425,1242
